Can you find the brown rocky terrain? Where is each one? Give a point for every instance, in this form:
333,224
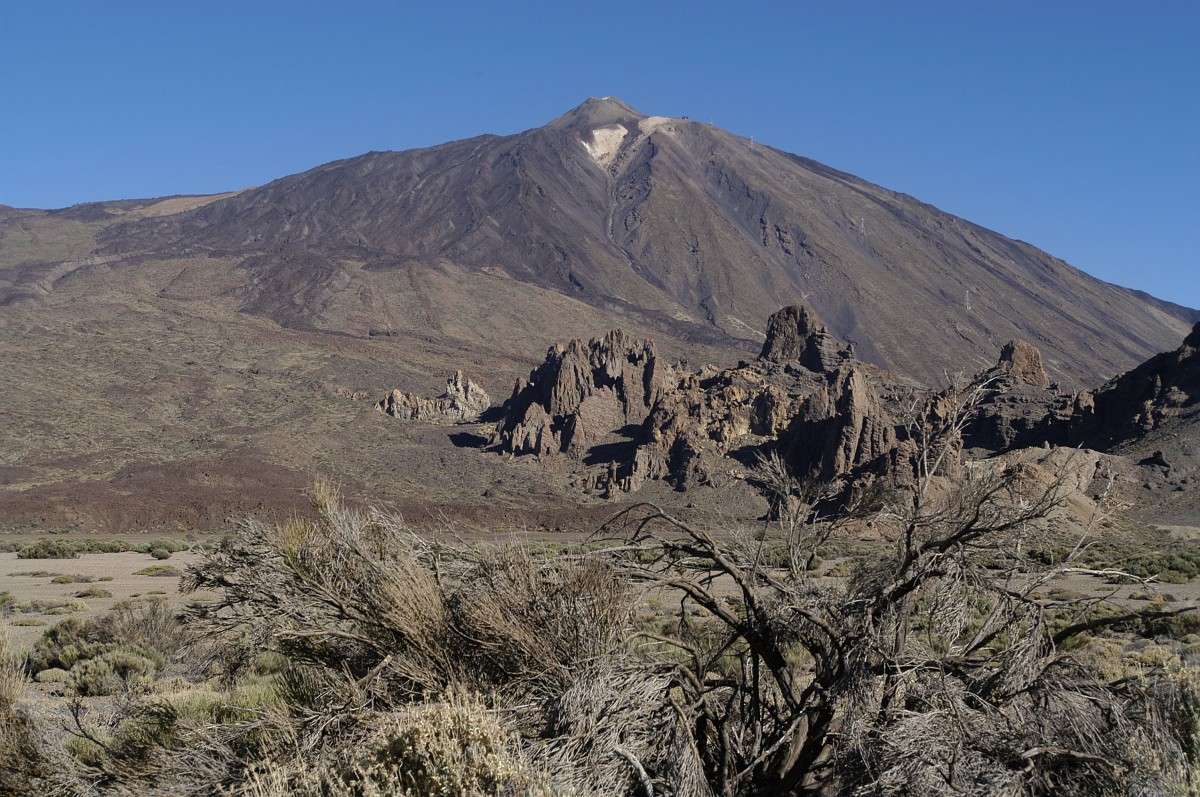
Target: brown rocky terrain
835,420
180,362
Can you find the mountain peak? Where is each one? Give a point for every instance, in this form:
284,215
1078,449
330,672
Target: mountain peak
598,112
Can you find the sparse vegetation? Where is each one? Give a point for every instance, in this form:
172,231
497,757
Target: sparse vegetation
61,548
655,659
72,579
163,571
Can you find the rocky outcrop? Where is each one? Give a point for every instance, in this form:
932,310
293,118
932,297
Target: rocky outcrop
841,428
1022,363
1021,405
708,414
614,406
1159,390
581,395
805,395
463,401
795,333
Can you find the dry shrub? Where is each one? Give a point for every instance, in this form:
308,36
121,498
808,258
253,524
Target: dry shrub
532,621
25,765
440,749
936,669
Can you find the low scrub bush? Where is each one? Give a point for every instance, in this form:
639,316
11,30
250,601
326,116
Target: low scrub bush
49,549
114,667
751,676
68,548
164,571
164,544
124,648
440,750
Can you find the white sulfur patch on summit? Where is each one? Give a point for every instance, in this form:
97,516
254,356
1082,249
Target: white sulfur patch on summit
605,142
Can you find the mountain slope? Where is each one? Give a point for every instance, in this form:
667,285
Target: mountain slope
189,360
678,224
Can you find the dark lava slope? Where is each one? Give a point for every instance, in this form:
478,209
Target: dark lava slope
678,225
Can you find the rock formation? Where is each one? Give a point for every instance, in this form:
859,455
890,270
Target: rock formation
841,428
805,395
696,425
797,334
463,401
613,407
1022,363
1163,388
1021,405
581,395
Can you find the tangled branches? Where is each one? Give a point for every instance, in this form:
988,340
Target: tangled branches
936,666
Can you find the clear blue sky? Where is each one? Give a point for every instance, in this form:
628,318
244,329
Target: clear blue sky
1072,125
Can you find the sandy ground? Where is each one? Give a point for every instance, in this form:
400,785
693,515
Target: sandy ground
31,580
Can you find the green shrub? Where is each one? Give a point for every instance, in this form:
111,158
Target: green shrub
269,663
167,544
105,546
158,570
49,549
87,752
93,592
440,750
68,549
49,606
52,675
61,645
117,666
160,553
144,632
